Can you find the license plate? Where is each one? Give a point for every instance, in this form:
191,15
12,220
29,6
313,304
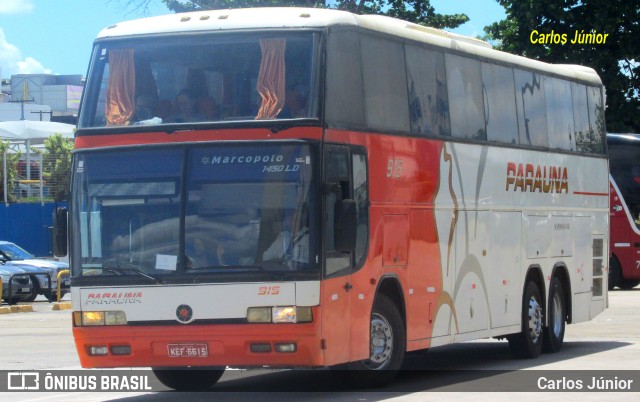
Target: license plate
188,350
25,290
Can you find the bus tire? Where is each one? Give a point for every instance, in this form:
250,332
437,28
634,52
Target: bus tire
528,343
53,296
188,378
387,347
615,273
628,284
554,332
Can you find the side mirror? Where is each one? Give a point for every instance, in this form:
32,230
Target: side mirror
346,223
59,234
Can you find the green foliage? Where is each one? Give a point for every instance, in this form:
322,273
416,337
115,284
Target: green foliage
617,61
56,169
417,11
12,170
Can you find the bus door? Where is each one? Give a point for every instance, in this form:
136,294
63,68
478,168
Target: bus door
345,239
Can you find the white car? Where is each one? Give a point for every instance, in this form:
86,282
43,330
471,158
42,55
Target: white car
11,255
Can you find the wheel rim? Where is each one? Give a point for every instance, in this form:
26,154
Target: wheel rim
381,342
557,315
535,319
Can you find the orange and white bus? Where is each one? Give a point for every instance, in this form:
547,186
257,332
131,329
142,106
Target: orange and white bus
308,187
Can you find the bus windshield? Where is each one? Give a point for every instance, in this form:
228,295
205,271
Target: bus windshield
212,209
201,78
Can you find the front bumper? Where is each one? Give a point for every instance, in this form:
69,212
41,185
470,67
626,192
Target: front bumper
228,345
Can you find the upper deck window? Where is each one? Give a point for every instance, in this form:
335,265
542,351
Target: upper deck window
201,78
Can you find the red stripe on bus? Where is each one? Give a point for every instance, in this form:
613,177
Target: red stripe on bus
588,193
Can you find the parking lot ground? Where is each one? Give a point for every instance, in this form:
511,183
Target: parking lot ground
40,304
607,346
18,308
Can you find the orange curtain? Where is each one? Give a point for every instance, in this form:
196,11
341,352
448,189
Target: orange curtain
120,88
271,78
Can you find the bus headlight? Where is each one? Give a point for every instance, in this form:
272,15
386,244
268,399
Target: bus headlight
97,318
282,314
304,314
259,314
115,318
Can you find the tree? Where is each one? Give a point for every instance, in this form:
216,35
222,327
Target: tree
56,169
617,60
12,171
417,11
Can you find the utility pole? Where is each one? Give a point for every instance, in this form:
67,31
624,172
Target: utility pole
25,94
41,112
22,102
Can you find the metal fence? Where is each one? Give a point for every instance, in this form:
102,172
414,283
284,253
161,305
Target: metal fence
37,177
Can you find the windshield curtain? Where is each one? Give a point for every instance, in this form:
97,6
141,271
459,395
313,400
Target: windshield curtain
201,78
208,209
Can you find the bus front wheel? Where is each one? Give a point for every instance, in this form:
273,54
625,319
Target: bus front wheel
188,378
528,343
387,347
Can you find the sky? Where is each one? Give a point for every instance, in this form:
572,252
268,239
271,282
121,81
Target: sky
55,36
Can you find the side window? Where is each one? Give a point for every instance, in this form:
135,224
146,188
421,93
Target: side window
559,114
361,197
465,97
427,86
336,188
531,106
385,84
596,119
581,117
500,103
344,99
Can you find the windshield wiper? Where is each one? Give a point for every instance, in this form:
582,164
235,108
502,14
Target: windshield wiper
133,270
276,269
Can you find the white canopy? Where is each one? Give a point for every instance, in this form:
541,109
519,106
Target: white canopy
33,132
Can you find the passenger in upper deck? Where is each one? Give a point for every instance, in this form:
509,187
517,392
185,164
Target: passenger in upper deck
187,109
145,108
295,102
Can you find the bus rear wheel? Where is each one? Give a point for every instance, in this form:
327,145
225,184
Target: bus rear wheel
528,343
387,347
554,333
188,378
628,284
615,273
